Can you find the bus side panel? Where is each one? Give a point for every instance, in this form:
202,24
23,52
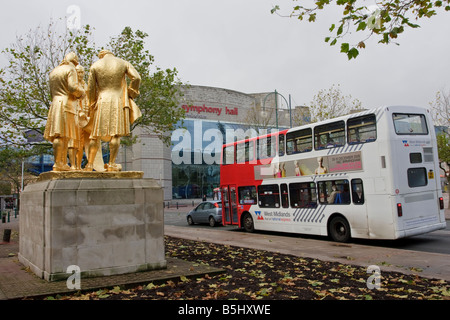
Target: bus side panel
378,183
381,222
305,221
379,209
358,219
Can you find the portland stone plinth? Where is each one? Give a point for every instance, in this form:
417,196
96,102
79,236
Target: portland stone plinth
105,223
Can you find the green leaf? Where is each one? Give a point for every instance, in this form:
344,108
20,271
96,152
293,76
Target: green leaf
352,53
345,47
116,289
361,26
312,17
149,286
275,9
315,283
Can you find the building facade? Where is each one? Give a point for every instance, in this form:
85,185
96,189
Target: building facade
189,168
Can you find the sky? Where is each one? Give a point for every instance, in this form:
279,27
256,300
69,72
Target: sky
240,45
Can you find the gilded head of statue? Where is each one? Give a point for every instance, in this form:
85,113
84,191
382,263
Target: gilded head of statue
102,53
71,57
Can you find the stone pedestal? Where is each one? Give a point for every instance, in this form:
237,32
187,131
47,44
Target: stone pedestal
104,223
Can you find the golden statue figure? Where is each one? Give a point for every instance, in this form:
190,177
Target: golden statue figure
61,126
76,143
84,121
112,104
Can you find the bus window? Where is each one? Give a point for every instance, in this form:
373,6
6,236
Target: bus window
334,192
247,195
299,141
357,191
281,145
329,135
284,196
410,124
269,196
303,195
228,155
415,157
362,129
417,177
266,147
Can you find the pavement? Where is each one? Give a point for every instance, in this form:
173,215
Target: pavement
17,282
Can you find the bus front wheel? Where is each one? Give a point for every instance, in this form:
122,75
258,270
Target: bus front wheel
247,223
339,229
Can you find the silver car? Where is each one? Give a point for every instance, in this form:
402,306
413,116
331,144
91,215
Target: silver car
206,212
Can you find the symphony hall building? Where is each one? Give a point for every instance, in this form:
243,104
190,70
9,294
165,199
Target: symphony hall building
189,167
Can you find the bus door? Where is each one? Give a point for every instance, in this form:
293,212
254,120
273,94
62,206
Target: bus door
229,205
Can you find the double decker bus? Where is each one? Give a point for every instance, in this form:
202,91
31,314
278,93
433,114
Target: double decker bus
373,175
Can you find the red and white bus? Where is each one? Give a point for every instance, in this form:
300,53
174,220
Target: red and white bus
373,174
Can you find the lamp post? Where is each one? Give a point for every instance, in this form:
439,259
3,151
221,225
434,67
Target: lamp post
276,106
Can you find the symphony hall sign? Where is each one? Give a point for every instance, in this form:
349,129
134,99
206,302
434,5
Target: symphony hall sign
205,109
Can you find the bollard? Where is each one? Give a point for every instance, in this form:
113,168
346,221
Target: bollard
177,205
9,213
3,217
6,235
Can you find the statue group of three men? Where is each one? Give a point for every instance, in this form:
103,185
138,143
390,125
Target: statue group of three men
81,115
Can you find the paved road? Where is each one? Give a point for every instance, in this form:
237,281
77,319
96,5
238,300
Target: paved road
434,242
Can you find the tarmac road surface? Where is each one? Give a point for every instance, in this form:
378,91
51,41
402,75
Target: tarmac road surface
433,242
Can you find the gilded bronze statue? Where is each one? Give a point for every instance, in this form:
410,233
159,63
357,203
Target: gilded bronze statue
111,101
61,126
84,121
81,116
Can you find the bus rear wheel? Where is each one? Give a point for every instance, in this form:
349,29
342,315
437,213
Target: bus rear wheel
339,229
247,223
